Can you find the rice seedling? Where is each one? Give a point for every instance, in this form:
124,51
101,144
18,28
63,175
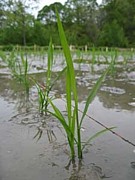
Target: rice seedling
18,65
44,90
72,124
127,56
93,56
79,55
19,69
114,57
9,59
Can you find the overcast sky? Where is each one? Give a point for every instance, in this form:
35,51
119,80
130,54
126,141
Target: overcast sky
48,2
42,3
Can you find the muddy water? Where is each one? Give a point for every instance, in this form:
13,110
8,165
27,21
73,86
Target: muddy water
23,157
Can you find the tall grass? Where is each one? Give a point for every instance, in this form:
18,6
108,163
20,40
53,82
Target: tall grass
23,72
18,66
44,90
72,124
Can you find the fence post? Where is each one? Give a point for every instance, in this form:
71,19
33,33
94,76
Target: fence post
70,47
106,49
34,47
86,48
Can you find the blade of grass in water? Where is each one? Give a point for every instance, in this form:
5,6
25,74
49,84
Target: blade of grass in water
50,62
68,130
71,88
96,135
72,127
44,90
92,94
59,75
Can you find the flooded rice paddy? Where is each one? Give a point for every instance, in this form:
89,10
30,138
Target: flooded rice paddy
25,156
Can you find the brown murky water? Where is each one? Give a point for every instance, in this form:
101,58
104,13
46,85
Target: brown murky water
23,157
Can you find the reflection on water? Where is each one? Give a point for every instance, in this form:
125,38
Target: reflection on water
116,92
25,159
120,95
42,124
81,171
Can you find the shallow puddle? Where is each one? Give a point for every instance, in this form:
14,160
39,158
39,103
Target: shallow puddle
34,146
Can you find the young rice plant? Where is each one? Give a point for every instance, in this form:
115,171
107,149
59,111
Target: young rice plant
72,124
44,90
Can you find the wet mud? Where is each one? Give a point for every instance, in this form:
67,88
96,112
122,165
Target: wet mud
34,147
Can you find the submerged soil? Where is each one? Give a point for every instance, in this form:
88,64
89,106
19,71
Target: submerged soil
25,156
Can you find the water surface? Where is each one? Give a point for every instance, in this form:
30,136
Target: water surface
23,157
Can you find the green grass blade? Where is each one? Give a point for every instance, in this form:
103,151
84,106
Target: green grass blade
70,70
50,62
73,121
96,135
26,67
92,94
68,97
61,118
71,88
67,54
3,56
60,74
57,111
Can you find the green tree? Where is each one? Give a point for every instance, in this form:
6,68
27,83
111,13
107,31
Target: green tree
16,21
47,16
22,19
124,13
38,34
80,17
112,35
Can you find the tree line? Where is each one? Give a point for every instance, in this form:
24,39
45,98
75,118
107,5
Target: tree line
112,23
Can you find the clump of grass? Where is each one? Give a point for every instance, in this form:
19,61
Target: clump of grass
44,90
10,60
19,70
23,72
72,124
18,65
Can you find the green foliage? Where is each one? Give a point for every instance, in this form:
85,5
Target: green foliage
45,89
86,23
122,12
9,47
112,35
47,13
18,65
15,22
72,124
39,34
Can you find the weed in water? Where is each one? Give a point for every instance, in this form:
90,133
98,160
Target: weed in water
44,90
18,65
23,72
72,124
